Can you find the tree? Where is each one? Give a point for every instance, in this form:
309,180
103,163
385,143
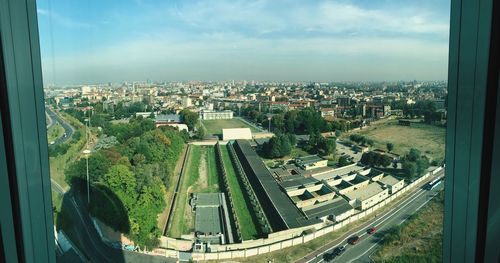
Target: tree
413,155
122,182
368,158
410,169
338,133
343,161
390,147
200,131
385,160
278,146
189,118
422,165
327,146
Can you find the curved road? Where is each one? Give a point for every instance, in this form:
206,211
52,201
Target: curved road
68,130
369,243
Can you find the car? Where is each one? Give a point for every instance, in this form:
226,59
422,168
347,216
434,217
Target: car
329,257
353,240
372,230
339,250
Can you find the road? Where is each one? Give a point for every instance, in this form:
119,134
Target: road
68,130
89,242
360,252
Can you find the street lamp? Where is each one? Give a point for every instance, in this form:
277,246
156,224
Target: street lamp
87,152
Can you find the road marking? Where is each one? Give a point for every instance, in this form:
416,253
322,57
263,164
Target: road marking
384,217
418,208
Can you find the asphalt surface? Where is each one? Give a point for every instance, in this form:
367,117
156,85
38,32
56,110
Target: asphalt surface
368,244
56,119
87,240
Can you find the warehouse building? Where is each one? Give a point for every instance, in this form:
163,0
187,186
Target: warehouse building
279,209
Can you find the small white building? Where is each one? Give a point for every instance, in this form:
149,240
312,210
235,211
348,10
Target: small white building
392,183
368,196
236,134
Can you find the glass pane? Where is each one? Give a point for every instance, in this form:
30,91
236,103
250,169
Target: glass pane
260,131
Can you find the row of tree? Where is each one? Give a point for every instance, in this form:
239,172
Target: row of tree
304,121
278,146
361,139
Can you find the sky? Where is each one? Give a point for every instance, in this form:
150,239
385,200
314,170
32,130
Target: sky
101,41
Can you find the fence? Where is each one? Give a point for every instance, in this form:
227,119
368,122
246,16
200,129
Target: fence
259,247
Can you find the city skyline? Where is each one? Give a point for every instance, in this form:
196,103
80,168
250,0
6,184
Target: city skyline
218,40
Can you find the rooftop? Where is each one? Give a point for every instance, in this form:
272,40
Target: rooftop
289,213
338,172
168,118
335,206
389,180
366,192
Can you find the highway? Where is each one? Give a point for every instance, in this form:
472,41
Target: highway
56,119
368,243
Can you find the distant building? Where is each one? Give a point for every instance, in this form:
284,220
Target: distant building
187,102
236,134
167,119
344,101
216,115
143,114
326,112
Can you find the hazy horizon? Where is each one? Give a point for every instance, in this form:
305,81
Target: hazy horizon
319,41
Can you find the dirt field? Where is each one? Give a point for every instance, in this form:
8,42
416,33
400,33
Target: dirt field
429,139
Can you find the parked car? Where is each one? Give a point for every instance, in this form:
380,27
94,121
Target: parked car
339,250
327,257
353,240
372,230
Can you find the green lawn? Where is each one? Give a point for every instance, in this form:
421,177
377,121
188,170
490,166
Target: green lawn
247,225
419,239
216,126
429,139
58,164
182,217
213,176
54,132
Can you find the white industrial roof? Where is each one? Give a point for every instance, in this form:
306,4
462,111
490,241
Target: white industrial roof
236,134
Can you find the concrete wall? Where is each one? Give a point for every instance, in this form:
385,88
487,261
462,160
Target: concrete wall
289,237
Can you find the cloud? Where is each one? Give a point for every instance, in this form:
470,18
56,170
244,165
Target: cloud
63,20
326,40
264,17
